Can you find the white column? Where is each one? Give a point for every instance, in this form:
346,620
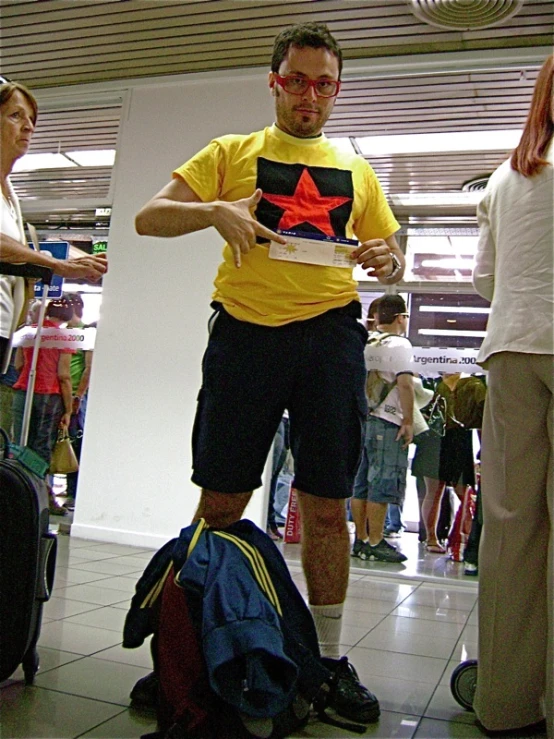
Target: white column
134,485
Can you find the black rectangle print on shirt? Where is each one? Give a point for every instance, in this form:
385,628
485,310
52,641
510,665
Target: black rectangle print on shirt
297,197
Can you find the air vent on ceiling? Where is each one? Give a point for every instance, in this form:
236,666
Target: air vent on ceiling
475,184
465,14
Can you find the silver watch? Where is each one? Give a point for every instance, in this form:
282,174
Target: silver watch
396,266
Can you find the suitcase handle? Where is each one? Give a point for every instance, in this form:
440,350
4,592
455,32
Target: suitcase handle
5,444
47,565
34,271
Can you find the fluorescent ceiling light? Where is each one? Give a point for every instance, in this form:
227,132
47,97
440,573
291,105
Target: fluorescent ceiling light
77,287
437,142
448,332
443,246
430,198
42,161
453,263
451,309
93,157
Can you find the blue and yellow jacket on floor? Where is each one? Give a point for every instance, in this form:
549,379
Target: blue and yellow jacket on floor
237,585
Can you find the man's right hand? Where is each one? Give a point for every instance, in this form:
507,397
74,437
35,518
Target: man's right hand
236,224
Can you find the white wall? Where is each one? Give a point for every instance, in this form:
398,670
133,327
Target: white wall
134,485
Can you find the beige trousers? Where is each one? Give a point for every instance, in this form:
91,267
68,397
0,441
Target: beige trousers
516,593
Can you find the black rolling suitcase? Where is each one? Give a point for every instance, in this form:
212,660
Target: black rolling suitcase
27,548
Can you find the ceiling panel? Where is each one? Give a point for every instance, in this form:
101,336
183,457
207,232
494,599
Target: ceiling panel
55,43
42,42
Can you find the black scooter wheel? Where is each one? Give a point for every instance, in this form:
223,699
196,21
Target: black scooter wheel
464,682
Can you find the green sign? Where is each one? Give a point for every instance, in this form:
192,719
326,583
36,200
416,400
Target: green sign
99,247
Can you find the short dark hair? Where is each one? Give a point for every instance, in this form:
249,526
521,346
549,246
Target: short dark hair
373,310
7,90
73,298
311,34
389,307
60,308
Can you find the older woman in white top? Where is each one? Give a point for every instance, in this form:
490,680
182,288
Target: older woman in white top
18,117
514,270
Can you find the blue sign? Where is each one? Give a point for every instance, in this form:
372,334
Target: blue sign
59,250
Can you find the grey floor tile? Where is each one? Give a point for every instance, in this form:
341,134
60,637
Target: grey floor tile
72,576
433,729
139,657
108,618
392,625
410,643
49,659
431,613
77,638
372,662
106,681
35,713
390,724
120,549
57,608
107,566
401,696
95,594
129,724
443,706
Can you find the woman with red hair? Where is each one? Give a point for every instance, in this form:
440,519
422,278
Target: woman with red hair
514,270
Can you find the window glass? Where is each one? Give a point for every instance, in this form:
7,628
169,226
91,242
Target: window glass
447,320
446,258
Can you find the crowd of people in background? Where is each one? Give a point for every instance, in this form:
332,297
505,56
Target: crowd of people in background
444,457
60,392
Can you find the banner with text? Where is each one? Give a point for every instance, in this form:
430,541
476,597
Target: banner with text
57,338
423,360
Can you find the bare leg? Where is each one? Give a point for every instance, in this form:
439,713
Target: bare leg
430,509
325,548
359,514
221,509
460,491
376,514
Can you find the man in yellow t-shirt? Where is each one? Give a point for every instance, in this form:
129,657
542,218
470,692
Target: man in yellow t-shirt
286,333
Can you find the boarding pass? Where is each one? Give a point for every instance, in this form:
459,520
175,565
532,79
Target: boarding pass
323,250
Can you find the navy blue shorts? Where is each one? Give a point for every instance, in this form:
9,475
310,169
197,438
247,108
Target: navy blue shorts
252,373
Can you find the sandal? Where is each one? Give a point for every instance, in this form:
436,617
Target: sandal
435,548
274,533
55,509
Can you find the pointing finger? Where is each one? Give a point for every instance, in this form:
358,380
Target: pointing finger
269,235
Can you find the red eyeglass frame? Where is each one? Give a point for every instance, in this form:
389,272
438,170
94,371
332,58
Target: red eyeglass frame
309,83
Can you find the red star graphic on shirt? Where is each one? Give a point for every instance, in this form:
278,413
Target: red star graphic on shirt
307,205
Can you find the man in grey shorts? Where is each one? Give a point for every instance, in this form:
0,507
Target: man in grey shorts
389,432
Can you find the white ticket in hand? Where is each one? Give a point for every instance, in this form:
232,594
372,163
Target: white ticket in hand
314,249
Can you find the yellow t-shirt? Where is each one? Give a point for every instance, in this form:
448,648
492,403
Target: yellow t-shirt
309,186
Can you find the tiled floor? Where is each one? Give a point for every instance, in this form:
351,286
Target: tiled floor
405,629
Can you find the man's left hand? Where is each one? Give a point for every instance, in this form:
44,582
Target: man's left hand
406,434
374,256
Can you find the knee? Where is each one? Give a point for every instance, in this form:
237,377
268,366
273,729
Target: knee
221,509
327,516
